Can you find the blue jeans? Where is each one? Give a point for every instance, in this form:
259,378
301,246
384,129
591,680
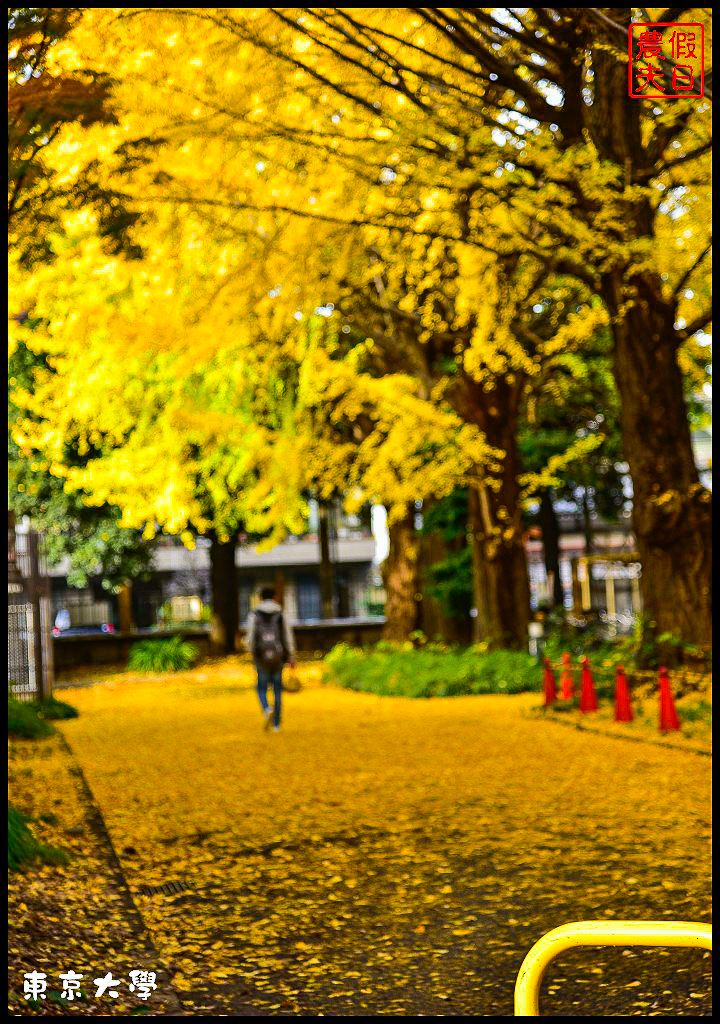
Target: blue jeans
274,679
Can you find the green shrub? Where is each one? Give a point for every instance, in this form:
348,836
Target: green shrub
375,608
26,721
30,719
584,639
55,710
24,848
433,671
174,655
702,712
644,649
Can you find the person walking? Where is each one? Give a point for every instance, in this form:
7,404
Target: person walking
270,641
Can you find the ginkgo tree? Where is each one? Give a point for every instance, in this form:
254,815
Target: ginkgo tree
528,107
89,536
433,146
132,410
481,350
45,98
190,433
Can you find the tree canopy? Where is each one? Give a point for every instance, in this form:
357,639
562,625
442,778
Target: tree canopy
362,241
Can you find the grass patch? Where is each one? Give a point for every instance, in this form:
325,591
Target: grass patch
55,710
701,712
30,719
433,671
26,721
174,655
23,848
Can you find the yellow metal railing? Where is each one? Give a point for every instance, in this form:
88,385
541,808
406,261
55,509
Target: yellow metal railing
599,933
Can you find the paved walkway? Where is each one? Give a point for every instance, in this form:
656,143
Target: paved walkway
383,856
76,916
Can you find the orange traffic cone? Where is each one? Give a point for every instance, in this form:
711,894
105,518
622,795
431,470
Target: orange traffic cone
668,715
566,680
588,697
549,683
623,710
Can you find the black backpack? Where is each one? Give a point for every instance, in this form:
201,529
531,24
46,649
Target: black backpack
269,647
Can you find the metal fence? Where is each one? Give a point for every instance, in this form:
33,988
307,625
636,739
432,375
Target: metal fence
30,661
21,653
607,585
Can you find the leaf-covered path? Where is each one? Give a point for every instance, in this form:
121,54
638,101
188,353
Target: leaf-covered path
384,856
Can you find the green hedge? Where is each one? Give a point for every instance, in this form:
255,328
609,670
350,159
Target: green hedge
174,655
30,719
25,720
433,671
24,848
55,710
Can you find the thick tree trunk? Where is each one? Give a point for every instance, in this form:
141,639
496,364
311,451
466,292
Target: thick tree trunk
223,576
551,545
502,589
672,511
401,576
125,615
327,576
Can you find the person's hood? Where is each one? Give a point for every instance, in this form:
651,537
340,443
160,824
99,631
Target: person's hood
268,606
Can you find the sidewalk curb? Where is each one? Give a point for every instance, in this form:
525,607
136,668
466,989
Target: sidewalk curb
173,1002
580,727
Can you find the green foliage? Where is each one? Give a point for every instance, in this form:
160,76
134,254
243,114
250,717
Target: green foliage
55,710
701,712
24,848
653,649
645,649
580,639
450,581
26,720
30,719
174,655
448,517
577,397
433,671
374,608
90,536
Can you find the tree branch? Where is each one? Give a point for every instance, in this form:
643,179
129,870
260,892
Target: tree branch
698,324
689,272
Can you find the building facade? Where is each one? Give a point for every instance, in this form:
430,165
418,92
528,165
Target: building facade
178,588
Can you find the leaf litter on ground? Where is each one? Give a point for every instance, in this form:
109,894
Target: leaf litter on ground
389,856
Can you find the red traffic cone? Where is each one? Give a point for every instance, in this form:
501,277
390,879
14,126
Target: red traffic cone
549,683
566,679
668,715
588,697
623,710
